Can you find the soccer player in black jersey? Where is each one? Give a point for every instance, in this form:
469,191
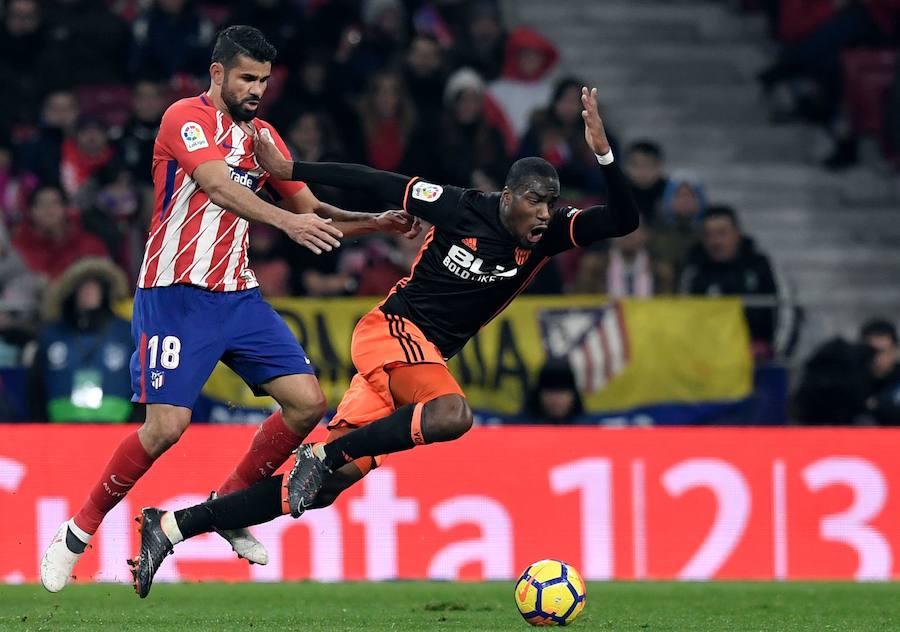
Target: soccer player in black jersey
482,251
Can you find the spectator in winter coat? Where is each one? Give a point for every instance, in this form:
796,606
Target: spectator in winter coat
80,371
727,263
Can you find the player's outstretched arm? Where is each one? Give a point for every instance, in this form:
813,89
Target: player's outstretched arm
353,224
389,188
620,215
310,230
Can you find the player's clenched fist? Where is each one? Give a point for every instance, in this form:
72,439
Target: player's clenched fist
311,231
270,157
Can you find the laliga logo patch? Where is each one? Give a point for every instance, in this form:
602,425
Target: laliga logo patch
193,136
427,192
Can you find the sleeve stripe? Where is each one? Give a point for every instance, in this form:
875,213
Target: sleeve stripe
408,188
572,229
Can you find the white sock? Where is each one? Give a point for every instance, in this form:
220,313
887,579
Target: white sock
79,533
170,527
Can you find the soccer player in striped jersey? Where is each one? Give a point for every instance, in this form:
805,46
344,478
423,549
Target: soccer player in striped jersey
482,252
198,301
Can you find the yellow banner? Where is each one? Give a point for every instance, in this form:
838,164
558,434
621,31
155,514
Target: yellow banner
627,354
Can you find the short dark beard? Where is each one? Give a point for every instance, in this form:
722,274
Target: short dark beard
235,110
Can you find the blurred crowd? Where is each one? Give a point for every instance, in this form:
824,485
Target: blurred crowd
438,88
837,68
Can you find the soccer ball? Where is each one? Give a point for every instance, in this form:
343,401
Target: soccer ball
550,592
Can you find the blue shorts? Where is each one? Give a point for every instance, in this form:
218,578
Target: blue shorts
181,331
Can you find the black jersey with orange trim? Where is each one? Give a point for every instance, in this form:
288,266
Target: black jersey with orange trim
469,267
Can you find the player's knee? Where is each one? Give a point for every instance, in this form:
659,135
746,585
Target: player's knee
447,417
304,411
161,432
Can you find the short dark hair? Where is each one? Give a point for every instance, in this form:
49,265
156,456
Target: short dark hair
646,147
721,210
527,168
879,327
242,40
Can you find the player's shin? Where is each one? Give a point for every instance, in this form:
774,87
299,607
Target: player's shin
272,444
256,504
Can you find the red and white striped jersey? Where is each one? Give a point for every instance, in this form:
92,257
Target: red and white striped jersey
193,241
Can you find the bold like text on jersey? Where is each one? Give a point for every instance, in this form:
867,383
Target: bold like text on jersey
468,267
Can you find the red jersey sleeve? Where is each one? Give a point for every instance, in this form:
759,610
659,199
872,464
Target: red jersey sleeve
284,188
187,134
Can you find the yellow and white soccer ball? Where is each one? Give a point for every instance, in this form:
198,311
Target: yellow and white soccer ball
550,592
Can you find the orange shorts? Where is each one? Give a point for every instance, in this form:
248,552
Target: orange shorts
381,343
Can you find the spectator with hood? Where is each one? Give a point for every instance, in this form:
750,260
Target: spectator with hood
472,152
80,371
675,229
525,84
554,399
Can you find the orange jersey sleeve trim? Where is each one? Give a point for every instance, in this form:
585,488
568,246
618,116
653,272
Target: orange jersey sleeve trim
572,229
408,188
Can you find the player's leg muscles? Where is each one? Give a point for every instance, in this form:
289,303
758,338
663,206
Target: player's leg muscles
302,407
302,401
444,417
447,414
134,456
163,426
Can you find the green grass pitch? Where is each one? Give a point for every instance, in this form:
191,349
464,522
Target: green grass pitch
419,606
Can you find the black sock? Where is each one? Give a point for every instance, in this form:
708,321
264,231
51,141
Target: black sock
74,543
246,507
393,433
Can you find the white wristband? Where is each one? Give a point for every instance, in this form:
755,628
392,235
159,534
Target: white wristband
605,159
